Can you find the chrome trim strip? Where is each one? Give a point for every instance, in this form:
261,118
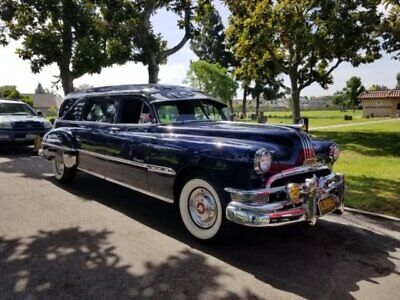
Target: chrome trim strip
60,147
294,171
128,186
161,170
149,167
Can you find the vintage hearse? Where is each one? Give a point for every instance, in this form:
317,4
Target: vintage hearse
176,144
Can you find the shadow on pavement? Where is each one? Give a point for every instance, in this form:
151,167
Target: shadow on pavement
21,160
326,261
73,263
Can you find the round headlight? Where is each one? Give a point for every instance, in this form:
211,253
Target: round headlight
262,161
47,124
5,125
334,152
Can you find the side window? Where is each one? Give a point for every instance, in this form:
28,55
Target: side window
212,112
167,113
135,111
101,110
75,113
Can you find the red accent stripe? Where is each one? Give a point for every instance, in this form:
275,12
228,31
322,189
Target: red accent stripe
292,213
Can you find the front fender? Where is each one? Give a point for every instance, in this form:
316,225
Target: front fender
60,139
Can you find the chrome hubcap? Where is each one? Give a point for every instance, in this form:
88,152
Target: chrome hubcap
202,208
59,164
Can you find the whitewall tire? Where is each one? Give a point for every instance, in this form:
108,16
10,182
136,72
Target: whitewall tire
201,208
61,171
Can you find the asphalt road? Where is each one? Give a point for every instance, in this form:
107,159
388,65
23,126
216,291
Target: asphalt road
94,239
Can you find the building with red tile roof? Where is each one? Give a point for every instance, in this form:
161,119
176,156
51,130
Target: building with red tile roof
381,103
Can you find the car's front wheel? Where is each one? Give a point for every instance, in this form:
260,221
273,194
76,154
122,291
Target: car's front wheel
63,172
202,208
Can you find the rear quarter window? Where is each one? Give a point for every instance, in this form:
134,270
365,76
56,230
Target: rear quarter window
76,111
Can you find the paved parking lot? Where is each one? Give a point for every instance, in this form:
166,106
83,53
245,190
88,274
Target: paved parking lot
94,239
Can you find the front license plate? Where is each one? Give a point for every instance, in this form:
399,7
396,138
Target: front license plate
326,205
30,136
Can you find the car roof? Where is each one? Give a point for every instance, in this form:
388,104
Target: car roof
154,92
11,101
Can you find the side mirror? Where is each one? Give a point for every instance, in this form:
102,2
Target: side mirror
39,113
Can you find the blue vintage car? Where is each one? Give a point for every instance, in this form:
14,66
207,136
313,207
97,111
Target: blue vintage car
176,144
19,123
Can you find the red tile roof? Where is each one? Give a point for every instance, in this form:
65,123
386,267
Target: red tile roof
379,94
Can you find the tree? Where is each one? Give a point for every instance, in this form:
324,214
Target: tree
390,28
212,79
306,40
39,89
79,36
398,81
208,41
378,87
151,48
353,89
267,89
84,86
340,99
11,92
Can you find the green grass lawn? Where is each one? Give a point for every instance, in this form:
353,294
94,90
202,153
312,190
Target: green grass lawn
370,158
318,118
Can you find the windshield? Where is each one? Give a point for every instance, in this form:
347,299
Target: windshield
15,109
190,110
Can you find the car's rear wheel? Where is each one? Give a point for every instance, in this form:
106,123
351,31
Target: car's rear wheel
202,208
62,172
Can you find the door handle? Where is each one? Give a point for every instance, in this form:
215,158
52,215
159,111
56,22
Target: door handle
115,129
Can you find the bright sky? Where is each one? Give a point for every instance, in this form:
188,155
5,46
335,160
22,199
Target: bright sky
14,71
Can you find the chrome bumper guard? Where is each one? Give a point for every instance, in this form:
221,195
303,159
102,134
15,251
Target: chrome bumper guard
251,207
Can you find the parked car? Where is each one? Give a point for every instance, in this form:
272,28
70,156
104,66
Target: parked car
19,123
175,144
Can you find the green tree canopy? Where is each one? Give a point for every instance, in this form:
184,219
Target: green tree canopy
212,79
150,47
306,40
353,89
208,41
11,92
79,36
378,87
398,80
391,28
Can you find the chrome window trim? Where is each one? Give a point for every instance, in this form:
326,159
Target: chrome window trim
107,123
128,186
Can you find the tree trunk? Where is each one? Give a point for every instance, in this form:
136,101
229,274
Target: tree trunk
230,105
153,69
67,80
295,104
258,106
244,102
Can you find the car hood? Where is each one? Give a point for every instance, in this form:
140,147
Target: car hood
284,141
20,118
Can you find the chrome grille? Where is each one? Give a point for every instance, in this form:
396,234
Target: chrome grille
28,125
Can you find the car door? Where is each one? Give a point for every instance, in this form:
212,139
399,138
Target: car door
96,121
128,141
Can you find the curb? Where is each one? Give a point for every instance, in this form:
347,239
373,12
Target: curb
371,214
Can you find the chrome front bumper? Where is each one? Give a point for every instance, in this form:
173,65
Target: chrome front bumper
252,207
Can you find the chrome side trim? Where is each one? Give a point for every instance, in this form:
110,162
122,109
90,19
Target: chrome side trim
128,186
149,167
161,170
59,147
